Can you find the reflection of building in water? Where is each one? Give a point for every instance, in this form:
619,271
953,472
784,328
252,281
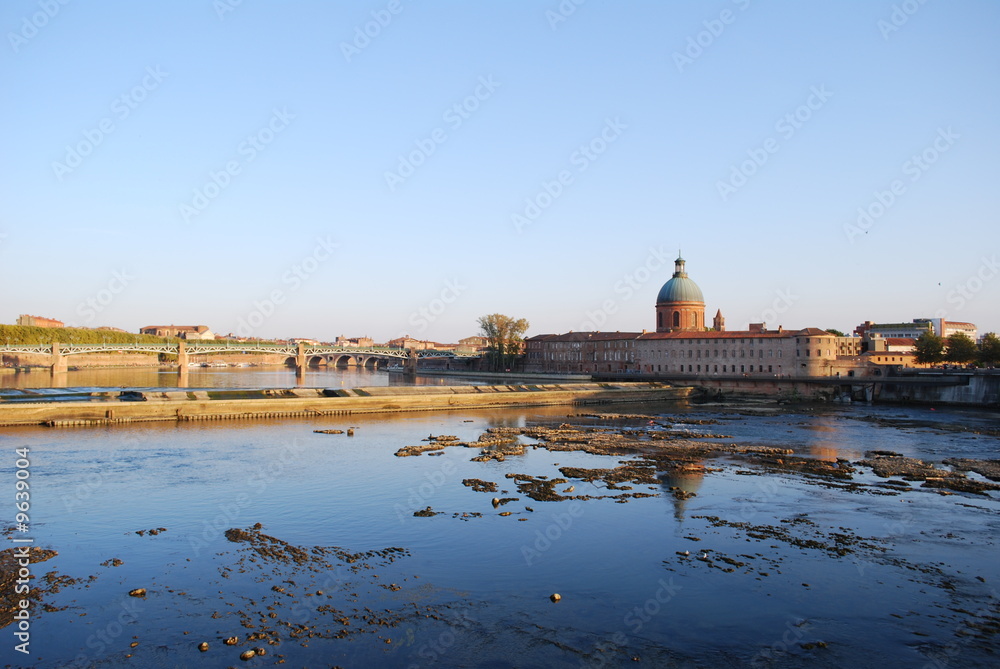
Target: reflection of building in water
823,440
681,483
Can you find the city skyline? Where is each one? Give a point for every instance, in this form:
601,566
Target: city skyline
385,169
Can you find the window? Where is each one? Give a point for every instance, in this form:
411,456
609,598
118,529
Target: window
677,319
659,319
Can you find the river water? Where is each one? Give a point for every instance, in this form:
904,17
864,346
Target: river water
798,570
215,377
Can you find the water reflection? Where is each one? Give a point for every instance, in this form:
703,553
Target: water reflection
218,377
679,485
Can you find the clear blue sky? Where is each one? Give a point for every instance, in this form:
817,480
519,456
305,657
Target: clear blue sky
313,119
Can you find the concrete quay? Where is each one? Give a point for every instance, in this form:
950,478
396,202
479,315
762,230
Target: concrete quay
181,405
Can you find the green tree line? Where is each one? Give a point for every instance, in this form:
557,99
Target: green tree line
28,335
958,349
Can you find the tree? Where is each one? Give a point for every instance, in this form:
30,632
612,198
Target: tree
834,331
504,337
989,349
929,348
961,349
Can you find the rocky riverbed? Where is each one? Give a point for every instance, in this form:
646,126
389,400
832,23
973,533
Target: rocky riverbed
587,539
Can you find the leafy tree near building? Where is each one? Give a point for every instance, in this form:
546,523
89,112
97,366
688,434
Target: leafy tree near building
961,348
835,331
929,348
989,349
504,337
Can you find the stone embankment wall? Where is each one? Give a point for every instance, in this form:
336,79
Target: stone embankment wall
982,390
184,405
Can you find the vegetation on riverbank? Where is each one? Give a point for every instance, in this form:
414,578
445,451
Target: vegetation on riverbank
29,335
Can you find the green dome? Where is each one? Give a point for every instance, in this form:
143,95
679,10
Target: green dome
680,288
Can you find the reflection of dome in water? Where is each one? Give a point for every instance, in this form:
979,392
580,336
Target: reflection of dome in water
681,485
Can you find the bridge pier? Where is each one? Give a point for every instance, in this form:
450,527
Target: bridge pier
182,356
301,361
58,359
410,367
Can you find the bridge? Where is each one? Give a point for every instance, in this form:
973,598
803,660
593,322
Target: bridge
303,355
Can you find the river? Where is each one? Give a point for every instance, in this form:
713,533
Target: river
215,377
325,564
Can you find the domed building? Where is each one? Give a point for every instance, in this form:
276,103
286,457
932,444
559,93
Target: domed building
680,306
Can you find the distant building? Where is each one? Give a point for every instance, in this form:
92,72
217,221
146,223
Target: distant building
359,342
878,344
39,322
682,345
409,342
945,328
913,330
470,345
180,331
303,340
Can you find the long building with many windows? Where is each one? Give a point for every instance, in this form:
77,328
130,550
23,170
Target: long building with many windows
682,345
